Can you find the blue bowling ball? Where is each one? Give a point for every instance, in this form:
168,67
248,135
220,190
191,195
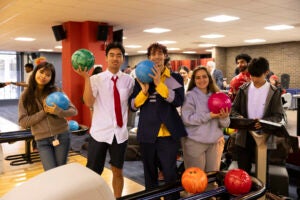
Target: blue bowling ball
73,125
143,69
58,98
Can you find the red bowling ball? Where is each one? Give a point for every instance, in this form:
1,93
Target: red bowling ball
237,182
217,101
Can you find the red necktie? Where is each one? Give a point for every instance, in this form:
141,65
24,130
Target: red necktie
117,101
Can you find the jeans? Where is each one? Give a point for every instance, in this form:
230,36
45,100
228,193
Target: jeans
54,156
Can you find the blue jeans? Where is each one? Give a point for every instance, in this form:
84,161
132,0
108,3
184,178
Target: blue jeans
54,156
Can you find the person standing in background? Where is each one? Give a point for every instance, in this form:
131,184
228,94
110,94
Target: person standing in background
160,126
48,124
28,69
109,122
215,73
242,61
204,144
184,72
274,80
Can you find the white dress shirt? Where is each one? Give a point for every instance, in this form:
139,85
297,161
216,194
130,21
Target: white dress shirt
104,125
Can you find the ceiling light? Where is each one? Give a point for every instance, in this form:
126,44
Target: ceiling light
254,40
173,49
25,39
279,27
210,36
209,50
166,42
157,30
207,45
133,46
142,51
48,50
221,18
189,52
58,47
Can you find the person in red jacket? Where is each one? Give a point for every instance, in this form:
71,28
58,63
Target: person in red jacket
242,61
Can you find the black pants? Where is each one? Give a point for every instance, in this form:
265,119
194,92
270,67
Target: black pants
246,156
164,150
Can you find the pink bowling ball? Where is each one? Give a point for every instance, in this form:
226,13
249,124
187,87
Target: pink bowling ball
217,101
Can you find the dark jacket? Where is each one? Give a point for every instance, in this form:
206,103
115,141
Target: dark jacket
156,111
273,111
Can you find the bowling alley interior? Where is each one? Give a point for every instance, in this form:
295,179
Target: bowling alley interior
195,33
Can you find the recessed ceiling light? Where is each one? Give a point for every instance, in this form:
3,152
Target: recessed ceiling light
279,27
48,50
207,45
157,30
166,42
209,50
58,47
142,51
173,49
25,39
212,36
254,40
221,18
189,52
133,46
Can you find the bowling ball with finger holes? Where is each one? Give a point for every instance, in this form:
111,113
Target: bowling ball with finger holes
83,58
237,182
58,98
194,180
217,101
73,125
143,69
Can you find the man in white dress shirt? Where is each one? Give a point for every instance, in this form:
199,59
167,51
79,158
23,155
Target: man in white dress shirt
106,134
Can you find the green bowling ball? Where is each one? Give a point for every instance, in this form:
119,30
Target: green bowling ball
83,58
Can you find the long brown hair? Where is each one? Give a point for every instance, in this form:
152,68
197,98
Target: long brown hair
211,87
31,94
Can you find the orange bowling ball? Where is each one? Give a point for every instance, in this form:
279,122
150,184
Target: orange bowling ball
194,180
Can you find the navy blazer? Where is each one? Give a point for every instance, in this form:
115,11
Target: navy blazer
157,110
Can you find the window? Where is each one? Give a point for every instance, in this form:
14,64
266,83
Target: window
9,72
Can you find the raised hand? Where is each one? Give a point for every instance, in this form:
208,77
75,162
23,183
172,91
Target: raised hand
157,73
84,73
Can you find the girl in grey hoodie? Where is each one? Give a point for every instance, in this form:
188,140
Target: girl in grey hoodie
203,147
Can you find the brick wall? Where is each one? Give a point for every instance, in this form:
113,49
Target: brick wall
283,58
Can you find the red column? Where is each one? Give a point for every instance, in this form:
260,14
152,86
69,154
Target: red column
80,35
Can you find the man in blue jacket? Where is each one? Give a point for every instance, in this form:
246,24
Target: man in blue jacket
160,126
